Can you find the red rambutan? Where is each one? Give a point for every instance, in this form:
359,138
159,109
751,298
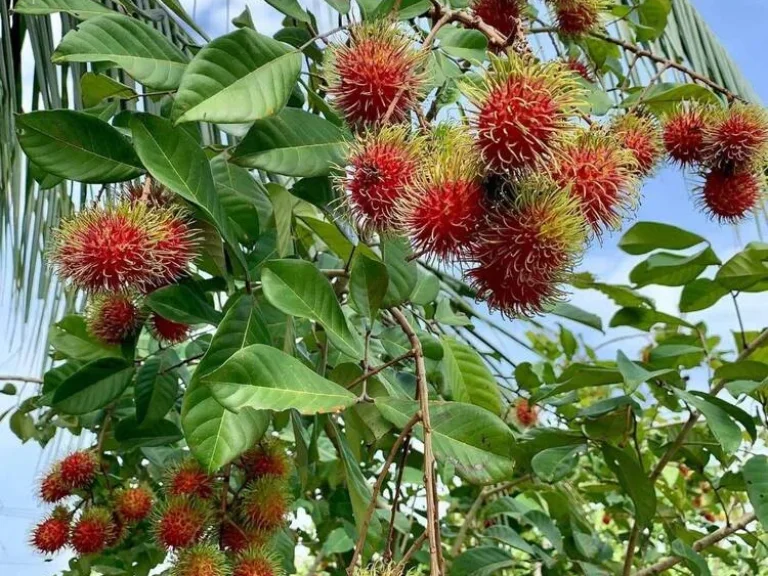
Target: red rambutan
709,517
201,560
527,248
503,15
133,504
378,69
580,68
606,519
380,166
236,537
522,107
684,134
189,479
527,414
598,172
53,488
577,17
736,138
79,469
641,136
268,458
265,503
730,196
93,531
257,562
112,316
180,522
168,331
176,248
52,534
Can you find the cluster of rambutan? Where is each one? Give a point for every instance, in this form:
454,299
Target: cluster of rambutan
728,150
119,252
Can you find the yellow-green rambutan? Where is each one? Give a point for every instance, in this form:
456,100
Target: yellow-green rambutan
201,560
640,135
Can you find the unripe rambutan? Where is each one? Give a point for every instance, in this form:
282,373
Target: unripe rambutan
577,17
378,69
599,173
501,14
53,488
180,522
93,531
641,136
168,331
265,503
52,534
257,562
79,469
527,248
736,138
201,560
268,458
133,504
444,206
381,164
235,537
113,316
522,107
730,196
684,134
527,415
580,68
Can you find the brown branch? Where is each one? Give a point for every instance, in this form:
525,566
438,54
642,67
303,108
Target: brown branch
495,37
388,551
378,369
415,547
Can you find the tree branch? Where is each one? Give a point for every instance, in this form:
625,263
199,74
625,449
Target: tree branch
378,369
22,379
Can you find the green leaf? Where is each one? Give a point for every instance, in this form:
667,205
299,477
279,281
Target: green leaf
80,9
426,290
634,481
646,236
482,561
297,288
468,378
477,443
341,6
155,391
143,52
462,43
402,273
554,464
578,376
653,15
264,378
98,87
130,434
76,146
742,370
571,312
240,77
733,411
243,198
368,280
720,423
506,535
635,375
214,435
667,269
292,143
291,8
744,270
444,314
755,473
693,560
701,294
181,303
644,319
176,7
93,386
666,97
70,338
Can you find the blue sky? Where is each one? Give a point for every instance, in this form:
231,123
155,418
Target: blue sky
740,25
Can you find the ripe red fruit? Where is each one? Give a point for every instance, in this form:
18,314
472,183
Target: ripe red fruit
93,531
641,136
501,14
375,71
527,415
236,537
737,137
79,469
684,135
257,562
730,196
580,68
133,504
522,107
598,172
696,502
51,535
709,517
176,247
577,17
200,560
112,317
268,458
265,503
53,488
180,522
606,519
189,479
168,331
381,165
527,248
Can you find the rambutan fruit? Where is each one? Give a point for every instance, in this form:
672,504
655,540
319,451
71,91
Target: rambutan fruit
53,488
444,205
113,316
381,164
730,196
180,522
527,248
503,15
133,504
375,76
189,479
168,331
577,17
599,173
79,469
580,68
522,107
736,138
52,534
93,531
527,414
201,560
684,134
606,519
380,568
258,561
265,503
176,248
236,537
641,136
267,458
709,517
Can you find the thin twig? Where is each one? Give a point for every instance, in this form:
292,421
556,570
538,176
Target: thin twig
378,369
29,379
415,547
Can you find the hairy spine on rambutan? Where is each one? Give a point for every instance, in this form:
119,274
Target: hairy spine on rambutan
53,488
376,75
737,138
267,458
581,68
113,316
527,248
52,534
444,205
730,196
189,479
180,522
236,537
600,175
133,504
503,15
168,331
578,17
683,133
93,531
257,561
265,503
641,136
382,163
78,469
201,560
527,415
522,108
